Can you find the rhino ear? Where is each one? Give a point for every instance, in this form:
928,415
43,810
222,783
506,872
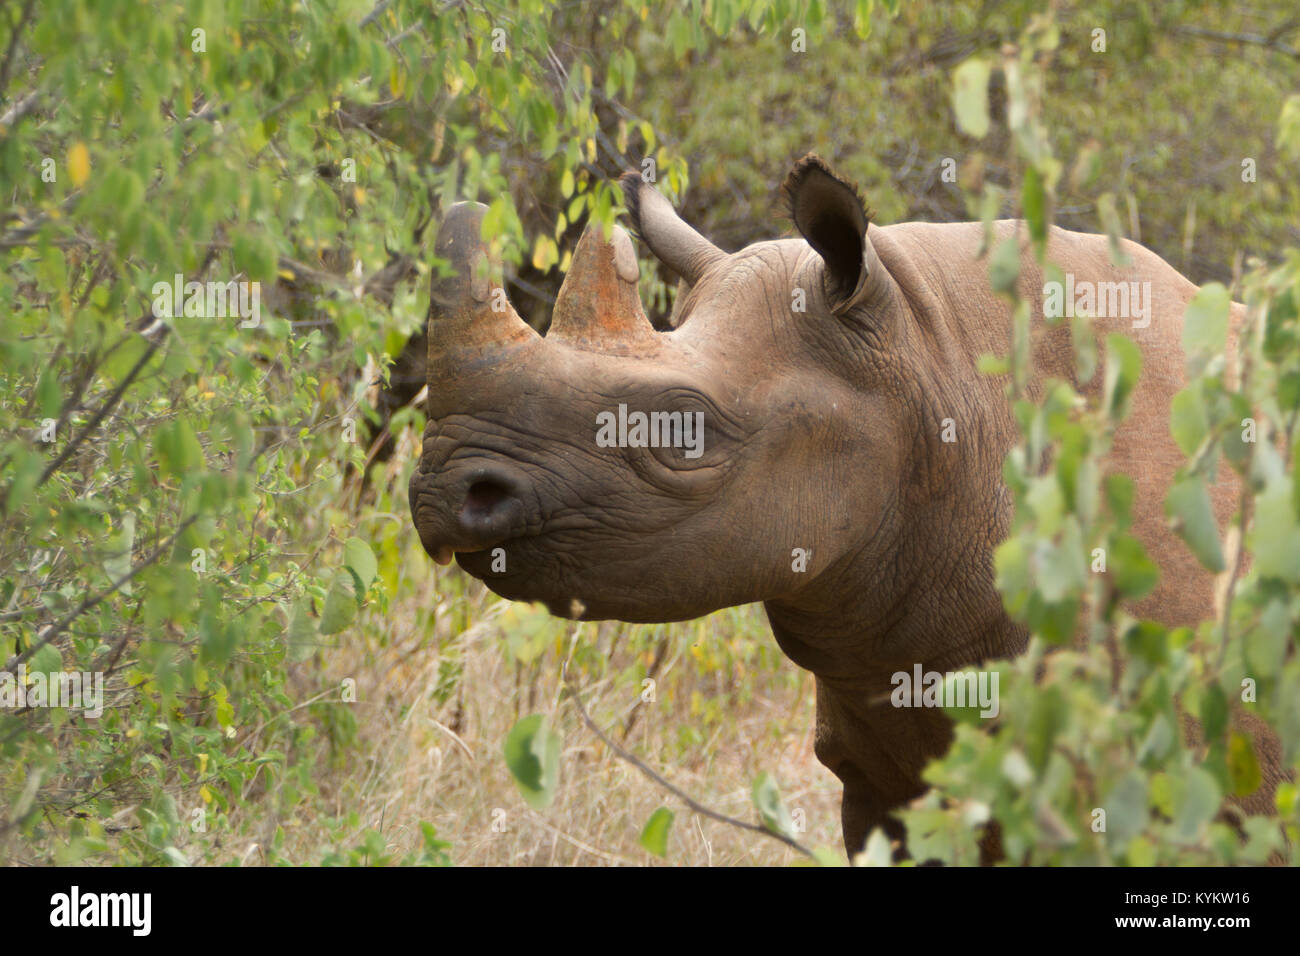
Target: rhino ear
829,215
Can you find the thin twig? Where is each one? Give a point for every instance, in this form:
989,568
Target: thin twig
1245,354
109,404
679,794
6,67
56,629
20,109
1270,42
370,17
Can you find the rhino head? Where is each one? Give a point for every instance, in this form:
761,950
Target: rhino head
786,413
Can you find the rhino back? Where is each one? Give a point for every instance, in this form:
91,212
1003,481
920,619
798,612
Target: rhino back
942,275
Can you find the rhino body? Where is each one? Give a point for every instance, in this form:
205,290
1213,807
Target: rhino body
823,430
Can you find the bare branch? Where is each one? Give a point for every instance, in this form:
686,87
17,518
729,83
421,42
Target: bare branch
109,404
1270,42
7,66
679,794
20,109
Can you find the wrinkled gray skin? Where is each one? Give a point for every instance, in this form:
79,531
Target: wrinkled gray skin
823,432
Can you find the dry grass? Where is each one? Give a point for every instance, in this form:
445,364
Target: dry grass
416,759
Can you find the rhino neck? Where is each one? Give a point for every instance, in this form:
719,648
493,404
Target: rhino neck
862,621
919,586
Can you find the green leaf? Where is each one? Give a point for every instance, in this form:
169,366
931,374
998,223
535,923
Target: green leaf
360,560
119,547
495,218
1266,645
529,630
862,18
1188,422
1135,574
678,34
990,364
1047,716
48,399
122,359
970,96
1149,642
1123,367
1205,323
1243,767
825,856
1063,569
1213,711
340,604
532,752
1085,348
26,471
1126,808
1141,852
1011,566
301,632
1263,837
254,256
1197,804
629,70
1033,202
1119,497
545,253
1109,216
1288,126
179,451
655,835
877,852
218,639
1275,534
1004,266
48,660
1188,504
1162,794
771,809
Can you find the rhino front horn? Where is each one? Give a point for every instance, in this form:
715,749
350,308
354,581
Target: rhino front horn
469,314
598,305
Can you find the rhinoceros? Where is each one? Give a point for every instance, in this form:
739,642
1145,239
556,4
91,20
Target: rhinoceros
816,397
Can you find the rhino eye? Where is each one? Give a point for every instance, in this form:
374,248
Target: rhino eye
692,440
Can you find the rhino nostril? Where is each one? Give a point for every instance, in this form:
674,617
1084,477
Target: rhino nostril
483,498
491,509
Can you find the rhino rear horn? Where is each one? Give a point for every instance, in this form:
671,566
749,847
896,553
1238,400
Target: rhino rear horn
598,302
469,314
673,242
